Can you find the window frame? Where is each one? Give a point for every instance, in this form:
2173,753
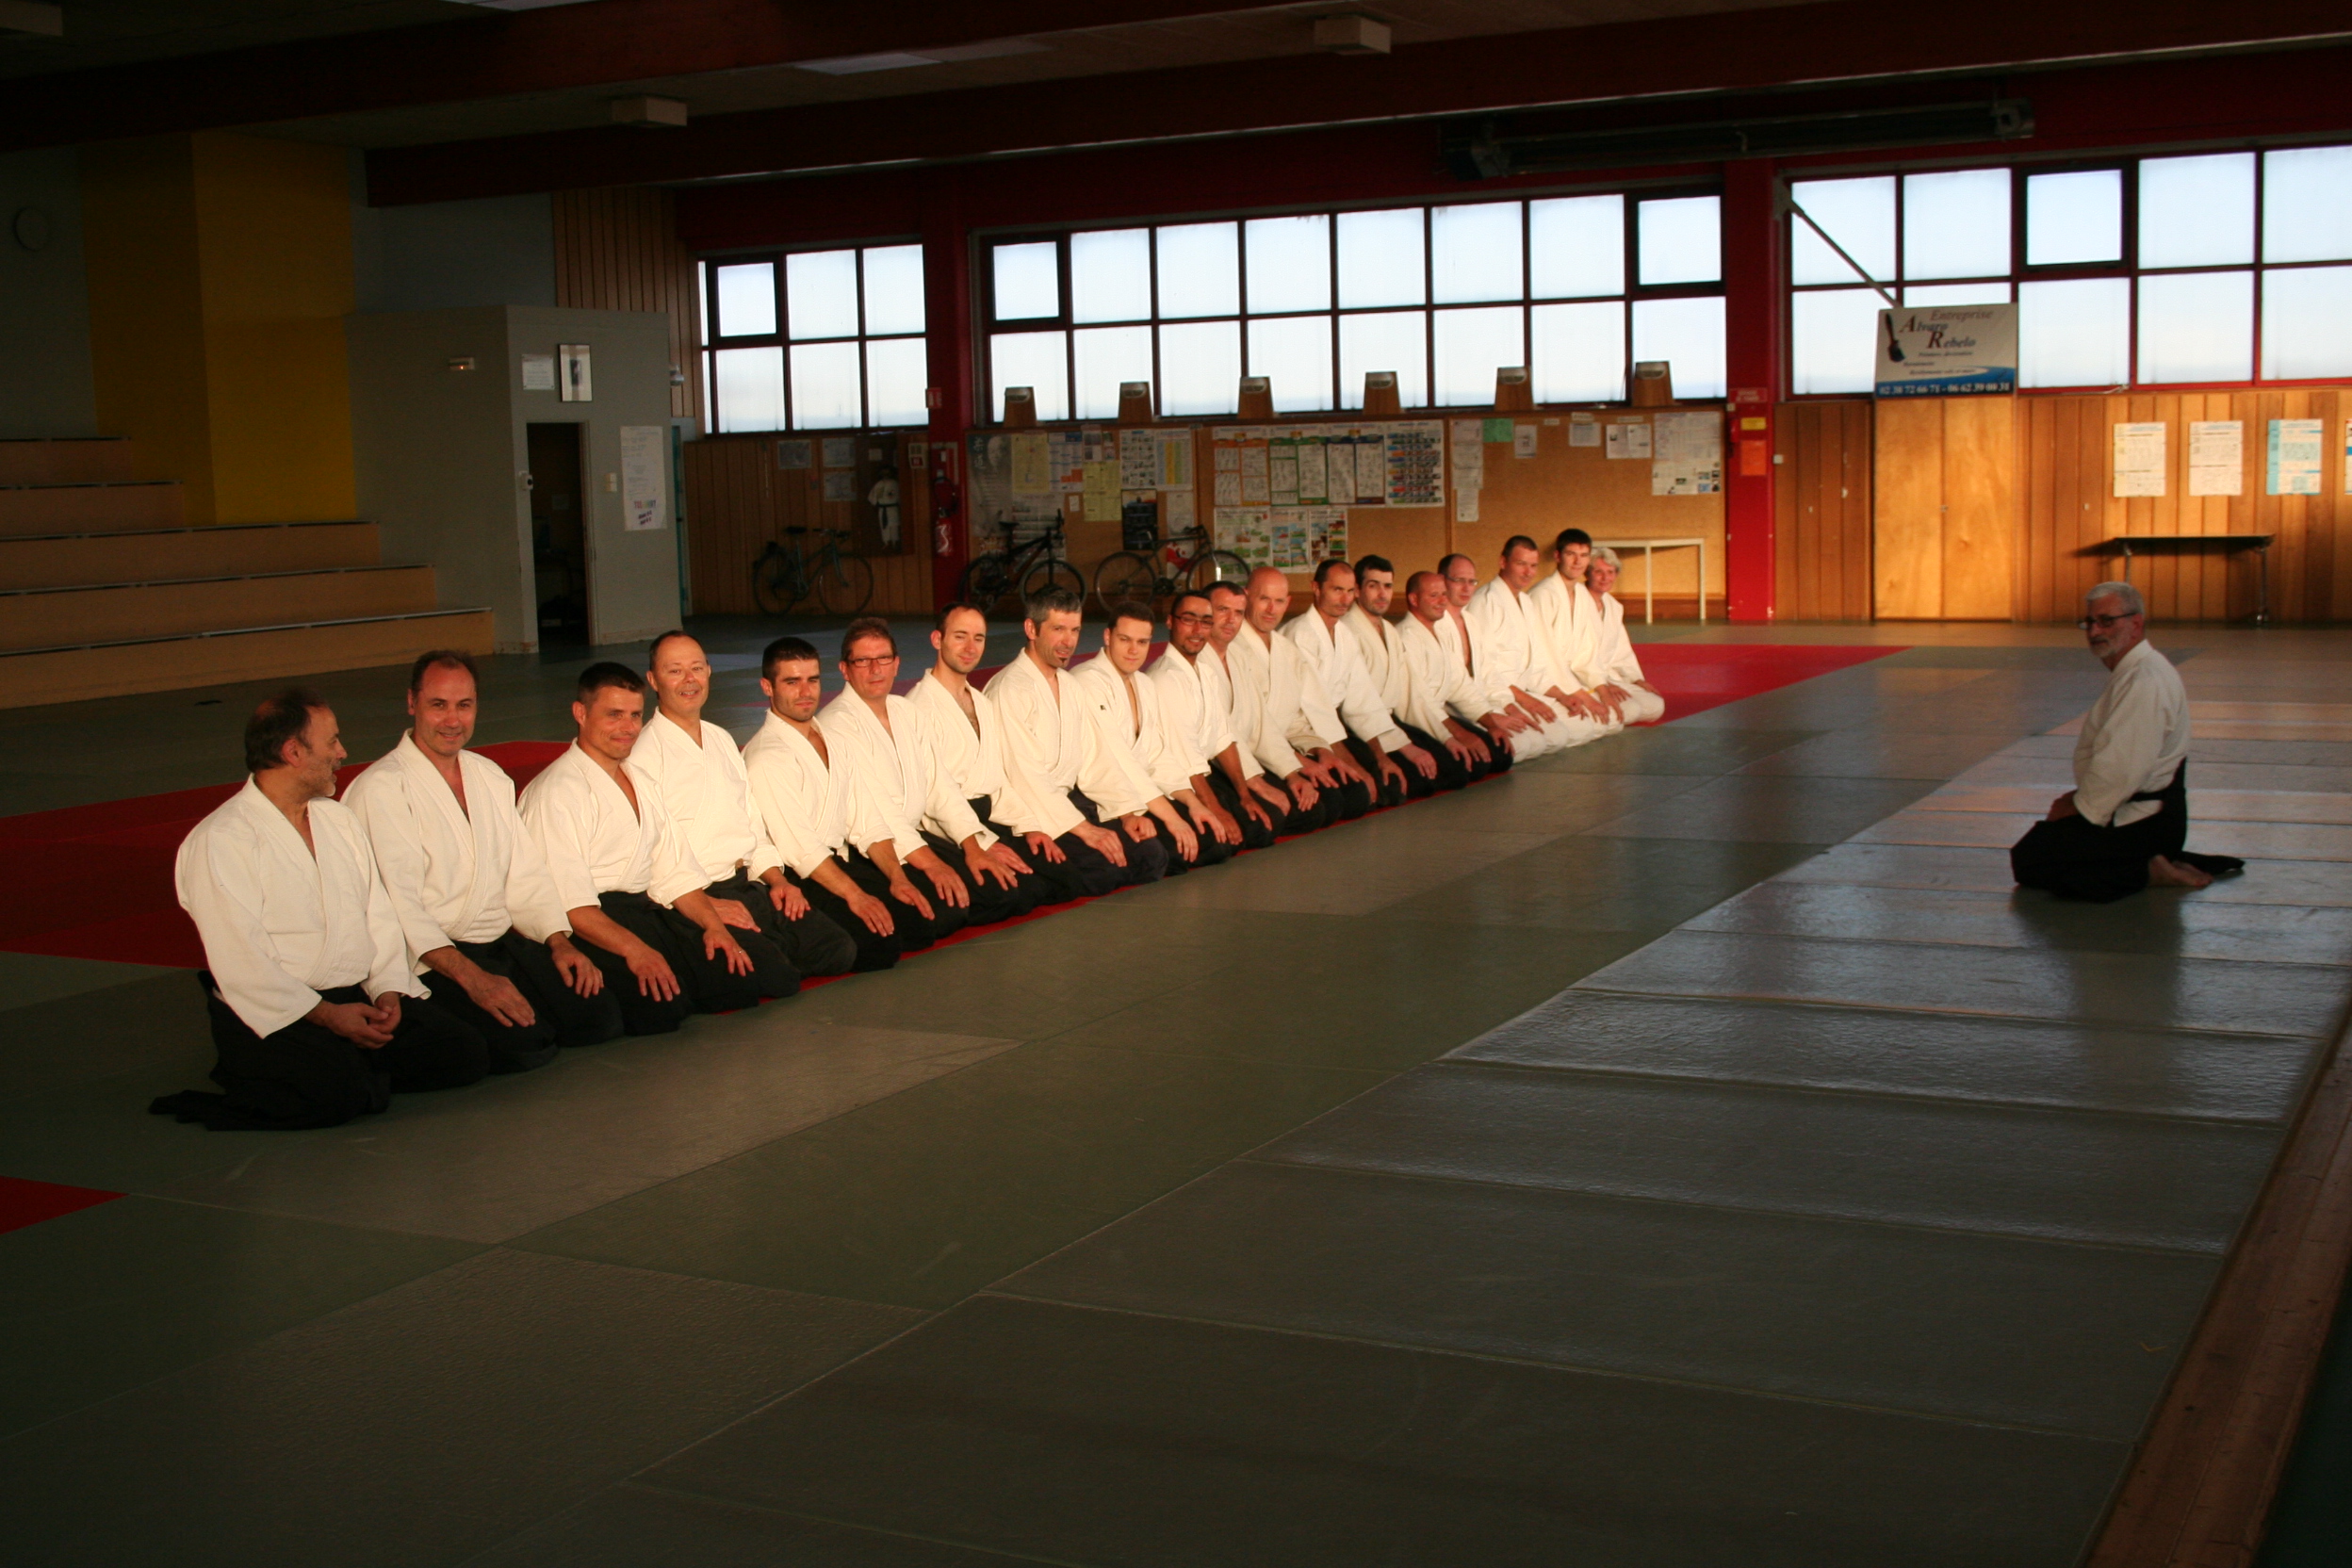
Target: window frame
986,324
715,341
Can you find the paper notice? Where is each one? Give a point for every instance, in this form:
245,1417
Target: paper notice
1177,506
1102,491
1629,441
1414,450
538,372
840,451
1339,471
1282,473
2293,465
645,476
1228,491
2217,457
1465,506
1583,431
1670,477
1465,432
1243,531
1523,440
1315,471
1497,431
1689,438
1138,459
1286,550
2139,459
1175,459
1033,470
841,484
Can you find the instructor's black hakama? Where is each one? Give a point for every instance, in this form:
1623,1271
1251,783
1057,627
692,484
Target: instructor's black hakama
2075,858
307,1075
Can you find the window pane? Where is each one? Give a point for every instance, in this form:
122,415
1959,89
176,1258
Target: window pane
1688,335
1957,226
1958,294
1110,275
2074,218
894,289
1200,365
1201,272
1580,352
1682,239
748,303
897,369
1033,359
1028,283
1290,265
1473,252
1858,215
750,388
2196,326
1833,342
2074,334
2197,212
2307,204
2306,323
826,388
1470,345
1380,261
1296,350
1395,341
1106,357
1576,245
821,294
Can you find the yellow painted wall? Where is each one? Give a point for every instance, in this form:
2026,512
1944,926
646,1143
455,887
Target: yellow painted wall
220,272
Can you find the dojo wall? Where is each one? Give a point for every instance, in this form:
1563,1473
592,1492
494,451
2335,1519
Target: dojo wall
737,498
1997,508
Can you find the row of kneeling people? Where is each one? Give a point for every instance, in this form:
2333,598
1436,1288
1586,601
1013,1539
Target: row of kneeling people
433,927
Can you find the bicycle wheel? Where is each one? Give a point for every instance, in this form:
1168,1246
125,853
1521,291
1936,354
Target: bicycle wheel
844,585
1051,574
771,586
1128,575
1218,566
986,583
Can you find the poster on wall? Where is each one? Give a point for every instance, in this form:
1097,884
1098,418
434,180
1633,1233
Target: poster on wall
573,385
2293,457
1244,530
2139,458
645,476
1939,351
2217,457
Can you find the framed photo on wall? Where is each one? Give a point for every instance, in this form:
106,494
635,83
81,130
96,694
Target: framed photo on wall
572,383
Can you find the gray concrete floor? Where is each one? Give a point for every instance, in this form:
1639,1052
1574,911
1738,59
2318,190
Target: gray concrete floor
1690,1149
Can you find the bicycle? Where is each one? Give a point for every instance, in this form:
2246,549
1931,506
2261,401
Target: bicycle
835,577
1159,575
1018,571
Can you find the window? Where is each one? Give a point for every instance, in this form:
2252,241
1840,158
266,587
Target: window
1572,286
822,339
2211,267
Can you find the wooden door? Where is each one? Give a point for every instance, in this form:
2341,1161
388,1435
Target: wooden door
1822,497
1944,509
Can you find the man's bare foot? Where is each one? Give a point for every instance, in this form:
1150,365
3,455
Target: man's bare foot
2167,874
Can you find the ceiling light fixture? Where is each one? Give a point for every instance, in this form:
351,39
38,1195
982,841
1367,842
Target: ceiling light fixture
1351,35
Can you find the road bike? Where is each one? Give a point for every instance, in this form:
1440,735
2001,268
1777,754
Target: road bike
840,579
1155,577
1011,574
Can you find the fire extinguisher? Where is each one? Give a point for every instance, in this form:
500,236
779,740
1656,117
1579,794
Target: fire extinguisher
946,499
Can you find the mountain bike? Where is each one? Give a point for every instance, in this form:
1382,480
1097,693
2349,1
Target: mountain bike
1157,576
838,579
1012,573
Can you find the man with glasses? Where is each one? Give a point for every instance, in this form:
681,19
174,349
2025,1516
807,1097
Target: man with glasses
1621,667
2121,827
918,824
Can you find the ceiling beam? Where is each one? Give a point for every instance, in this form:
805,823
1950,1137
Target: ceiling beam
507,54
1840,40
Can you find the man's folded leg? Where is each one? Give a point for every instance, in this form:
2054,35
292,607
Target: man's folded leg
714,987
307,1075
641,1014
871,950
992,901
813,944
915,930
514,1047
576,1020
1452,772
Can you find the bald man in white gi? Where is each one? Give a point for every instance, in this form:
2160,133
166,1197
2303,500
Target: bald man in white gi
1621,667
476,901
1513,644
926,827
1573,628
1197,706
708,796
1053,761
1154,768
630,887
1298,729
316,1012
1329,644
1439,697
2122,826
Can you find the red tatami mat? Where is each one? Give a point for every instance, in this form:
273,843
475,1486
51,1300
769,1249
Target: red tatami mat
24,1202
95,881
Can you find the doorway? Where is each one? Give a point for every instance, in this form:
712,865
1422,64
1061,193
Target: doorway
559,535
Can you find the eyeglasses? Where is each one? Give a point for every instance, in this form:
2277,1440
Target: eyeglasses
874,661
1193,619
2104,622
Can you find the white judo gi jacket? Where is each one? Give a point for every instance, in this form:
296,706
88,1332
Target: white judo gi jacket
1133,734
280,923
1437,684
594,844
1197,707
1293,713
2134,739
1332,653
804,803
456,873
901,790
971,758
708,796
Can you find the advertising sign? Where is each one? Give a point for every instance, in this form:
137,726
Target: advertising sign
1936,350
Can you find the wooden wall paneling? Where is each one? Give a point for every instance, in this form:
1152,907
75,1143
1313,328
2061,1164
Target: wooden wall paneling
1856,481
618,249
2075,527
1907,483
2036,440
1979,509
1791,585
1822,499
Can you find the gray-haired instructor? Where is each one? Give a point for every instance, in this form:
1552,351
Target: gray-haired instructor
2121,827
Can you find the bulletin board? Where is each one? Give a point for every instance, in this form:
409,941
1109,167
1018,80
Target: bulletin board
1445,485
